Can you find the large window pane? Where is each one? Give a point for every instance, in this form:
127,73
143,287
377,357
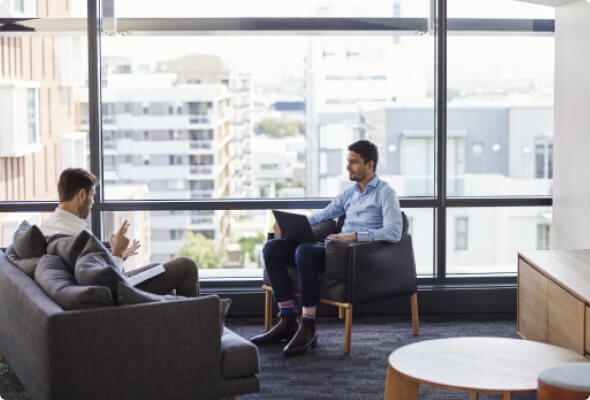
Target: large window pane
500,108
41,77
228,243
225,243
200,117
10,221
422,230
486,240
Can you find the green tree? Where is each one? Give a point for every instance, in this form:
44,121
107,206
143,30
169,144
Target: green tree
277,128
204,251
248,243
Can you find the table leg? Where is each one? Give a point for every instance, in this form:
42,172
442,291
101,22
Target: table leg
505,396
473,396
397,387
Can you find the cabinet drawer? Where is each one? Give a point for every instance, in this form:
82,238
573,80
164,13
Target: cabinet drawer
565,318
532,302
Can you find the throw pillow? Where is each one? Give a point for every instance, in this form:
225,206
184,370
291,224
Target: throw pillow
128,294
28,241
56,279
96,266
68,247
27,265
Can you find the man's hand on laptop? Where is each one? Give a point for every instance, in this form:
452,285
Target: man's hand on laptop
349,237
277,231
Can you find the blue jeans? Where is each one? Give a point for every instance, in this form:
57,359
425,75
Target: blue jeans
310,259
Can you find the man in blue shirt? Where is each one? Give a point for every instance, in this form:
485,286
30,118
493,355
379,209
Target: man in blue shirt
372,213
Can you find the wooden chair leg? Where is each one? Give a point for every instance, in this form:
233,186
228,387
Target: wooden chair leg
267,309
347,329
1,357
340,313
415,321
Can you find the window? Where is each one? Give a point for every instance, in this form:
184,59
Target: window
461,233
543,236
174,160
32,115
19,5
486,240
234,115
544,159
500,93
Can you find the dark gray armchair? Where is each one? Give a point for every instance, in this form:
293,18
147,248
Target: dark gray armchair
359,272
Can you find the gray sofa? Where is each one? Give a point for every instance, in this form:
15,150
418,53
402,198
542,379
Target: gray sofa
165,350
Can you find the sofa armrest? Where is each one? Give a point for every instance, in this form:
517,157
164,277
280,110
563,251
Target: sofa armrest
160,349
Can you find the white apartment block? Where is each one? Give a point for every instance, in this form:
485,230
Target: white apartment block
184,139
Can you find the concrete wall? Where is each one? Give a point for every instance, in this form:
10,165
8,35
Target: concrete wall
571,195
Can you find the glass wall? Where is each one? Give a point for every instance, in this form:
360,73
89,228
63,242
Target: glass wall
225,111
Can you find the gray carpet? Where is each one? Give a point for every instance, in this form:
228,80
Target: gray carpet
327,373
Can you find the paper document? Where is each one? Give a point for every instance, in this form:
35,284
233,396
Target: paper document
145,275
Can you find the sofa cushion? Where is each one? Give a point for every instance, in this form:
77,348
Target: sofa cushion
28,241
127,294
27,265
97,268
68,247
57,280
239,357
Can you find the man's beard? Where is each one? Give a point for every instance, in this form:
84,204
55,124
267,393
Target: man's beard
357,178
84,211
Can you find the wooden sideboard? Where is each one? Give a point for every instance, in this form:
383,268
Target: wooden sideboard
554,298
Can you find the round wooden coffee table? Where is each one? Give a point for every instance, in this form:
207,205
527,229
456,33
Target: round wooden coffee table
472,364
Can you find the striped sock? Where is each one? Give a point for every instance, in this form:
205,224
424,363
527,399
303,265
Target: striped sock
309,312
287,307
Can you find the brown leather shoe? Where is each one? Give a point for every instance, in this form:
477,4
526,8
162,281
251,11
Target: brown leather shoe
282,331
304,340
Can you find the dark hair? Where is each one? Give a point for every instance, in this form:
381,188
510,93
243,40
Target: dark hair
367,151
72,180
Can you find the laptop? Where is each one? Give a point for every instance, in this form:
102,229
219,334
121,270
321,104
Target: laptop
294,227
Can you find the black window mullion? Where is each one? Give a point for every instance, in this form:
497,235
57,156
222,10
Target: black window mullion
441,139
94,109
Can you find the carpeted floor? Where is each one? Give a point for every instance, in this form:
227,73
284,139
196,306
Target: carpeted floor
327,373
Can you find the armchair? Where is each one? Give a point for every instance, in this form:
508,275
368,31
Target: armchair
359,272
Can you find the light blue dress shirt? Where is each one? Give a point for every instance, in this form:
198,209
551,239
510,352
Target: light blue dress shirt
373,215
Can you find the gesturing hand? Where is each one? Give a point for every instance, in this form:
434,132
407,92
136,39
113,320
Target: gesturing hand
119,241
132,250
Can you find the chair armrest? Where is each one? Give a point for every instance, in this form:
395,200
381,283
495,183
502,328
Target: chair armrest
338,259
136,346
383,269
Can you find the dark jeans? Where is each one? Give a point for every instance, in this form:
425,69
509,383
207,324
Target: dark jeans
310,259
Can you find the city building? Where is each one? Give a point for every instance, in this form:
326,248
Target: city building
185,135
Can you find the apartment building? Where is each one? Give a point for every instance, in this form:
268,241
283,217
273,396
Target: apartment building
182,129
38,128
